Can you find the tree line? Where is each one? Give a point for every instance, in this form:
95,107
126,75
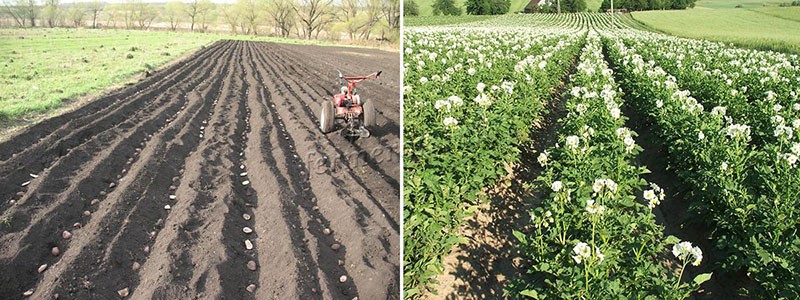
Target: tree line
334,19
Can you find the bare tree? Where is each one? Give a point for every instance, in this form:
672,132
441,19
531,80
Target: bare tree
207,17
172,12
349,16
248,11
128,15
94,8
197,9
143,14
12,9
373,14
51,13
283,14
75,13
230,16
391,11
313,15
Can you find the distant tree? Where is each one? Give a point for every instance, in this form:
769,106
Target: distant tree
249,15
172,13
573,5
487,7
76,13
445,7
230,16
93,9
314,15
391,11
207,16
282,13
195,10
50,13
23,12
410,8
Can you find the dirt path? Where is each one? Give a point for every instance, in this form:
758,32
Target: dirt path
156,183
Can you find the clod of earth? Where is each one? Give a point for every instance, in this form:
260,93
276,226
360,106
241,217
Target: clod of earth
123,292
66,234
42,268
94,202
55,251
76,225
135,266
251,288
87,213
251,265
326,231
146,249
336,247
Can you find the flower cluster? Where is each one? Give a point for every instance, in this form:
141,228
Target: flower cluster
687,253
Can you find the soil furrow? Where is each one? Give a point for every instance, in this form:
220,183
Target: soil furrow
357,223
42,153
101,270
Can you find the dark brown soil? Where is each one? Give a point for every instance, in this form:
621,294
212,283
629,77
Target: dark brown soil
131,149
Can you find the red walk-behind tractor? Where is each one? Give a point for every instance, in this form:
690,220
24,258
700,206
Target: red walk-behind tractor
358,114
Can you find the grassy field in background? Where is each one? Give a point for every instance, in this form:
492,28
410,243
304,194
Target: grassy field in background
742,3
755,29
787,13
42,69
425,8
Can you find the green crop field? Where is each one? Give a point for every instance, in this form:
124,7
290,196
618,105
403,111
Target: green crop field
516,6
764,28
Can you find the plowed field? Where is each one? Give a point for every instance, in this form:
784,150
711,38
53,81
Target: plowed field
153,187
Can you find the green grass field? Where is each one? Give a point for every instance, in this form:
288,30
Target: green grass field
40,69
44,69
425,8
734,3
770,28
443,20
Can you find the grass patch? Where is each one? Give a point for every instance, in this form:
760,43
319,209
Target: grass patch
741,27
741,3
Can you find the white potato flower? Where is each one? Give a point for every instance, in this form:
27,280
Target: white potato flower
442,104
450,122
687,253
480,86
556,186
483,100
593,208
542,159
423,80
582,251
471,71
455,100
573,141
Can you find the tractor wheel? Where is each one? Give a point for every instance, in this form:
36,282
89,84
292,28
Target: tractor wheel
369,114
326,117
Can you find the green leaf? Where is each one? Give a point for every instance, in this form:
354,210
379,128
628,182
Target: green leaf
520,236
671,240
700,278
530,293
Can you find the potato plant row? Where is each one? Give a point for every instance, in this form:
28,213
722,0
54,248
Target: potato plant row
470,97
741,169
595,234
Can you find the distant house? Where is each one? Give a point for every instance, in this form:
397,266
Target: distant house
536,6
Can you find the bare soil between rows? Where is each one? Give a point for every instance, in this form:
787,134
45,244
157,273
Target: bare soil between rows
156,183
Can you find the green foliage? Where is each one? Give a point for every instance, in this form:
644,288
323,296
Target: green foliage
636,5
410,8
446,7
459,131
487,7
